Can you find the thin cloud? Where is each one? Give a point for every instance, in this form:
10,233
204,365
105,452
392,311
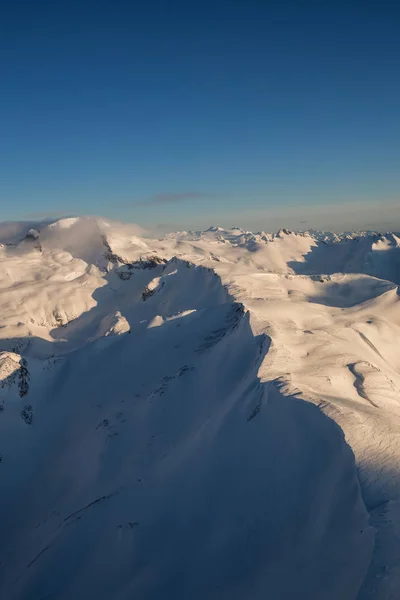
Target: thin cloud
162,226
170,198
50,215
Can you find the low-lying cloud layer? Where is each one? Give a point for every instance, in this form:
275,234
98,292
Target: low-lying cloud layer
171,197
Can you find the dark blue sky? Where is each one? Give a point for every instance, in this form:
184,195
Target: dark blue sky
185,113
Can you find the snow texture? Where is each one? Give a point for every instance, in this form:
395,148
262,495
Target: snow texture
207,415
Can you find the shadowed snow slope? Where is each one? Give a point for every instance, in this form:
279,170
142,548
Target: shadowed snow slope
207,415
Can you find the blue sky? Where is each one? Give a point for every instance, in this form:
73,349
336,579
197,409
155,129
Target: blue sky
182,114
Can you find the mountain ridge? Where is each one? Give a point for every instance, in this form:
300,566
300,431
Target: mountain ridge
192,339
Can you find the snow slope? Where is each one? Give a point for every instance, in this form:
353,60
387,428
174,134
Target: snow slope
210,414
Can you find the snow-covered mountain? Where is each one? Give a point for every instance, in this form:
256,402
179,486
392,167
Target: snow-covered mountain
212,414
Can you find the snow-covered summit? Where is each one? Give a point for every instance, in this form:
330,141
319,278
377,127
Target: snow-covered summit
235,392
